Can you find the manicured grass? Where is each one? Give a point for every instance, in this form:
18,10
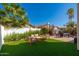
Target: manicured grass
49,47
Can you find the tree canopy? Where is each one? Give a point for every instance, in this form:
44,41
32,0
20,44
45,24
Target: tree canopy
13,15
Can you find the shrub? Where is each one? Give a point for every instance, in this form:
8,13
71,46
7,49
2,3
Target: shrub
14,36
11,37
44,31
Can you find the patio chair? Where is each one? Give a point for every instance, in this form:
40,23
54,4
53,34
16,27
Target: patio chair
32,39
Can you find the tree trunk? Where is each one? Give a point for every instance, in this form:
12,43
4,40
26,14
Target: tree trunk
78,26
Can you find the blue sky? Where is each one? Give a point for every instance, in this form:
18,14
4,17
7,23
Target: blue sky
54,13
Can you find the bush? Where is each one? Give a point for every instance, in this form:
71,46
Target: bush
14,36
44,31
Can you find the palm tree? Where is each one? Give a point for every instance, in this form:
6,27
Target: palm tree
7,9
15,14
2,15
70,13
20,14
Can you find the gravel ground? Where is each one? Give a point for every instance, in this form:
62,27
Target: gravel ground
64,39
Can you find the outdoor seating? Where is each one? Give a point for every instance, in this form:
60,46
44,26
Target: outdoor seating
37,38
31,39
34,38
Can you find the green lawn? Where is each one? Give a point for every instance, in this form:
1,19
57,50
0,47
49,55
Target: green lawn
49,47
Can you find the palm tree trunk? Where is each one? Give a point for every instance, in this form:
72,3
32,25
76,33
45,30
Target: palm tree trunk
78,26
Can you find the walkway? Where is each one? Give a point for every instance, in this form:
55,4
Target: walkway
65,39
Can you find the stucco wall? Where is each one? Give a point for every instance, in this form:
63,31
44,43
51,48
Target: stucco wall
20,30
1,36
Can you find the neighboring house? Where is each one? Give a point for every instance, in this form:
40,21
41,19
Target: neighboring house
45,26
56,31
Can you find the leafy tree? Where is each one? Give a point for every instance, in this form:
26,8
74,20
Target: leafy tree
2,14
44,31
71,28
70,24
14,14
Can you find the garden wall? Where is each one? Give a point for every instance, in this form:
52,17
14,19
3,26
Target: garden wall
20,30
4,32
1,36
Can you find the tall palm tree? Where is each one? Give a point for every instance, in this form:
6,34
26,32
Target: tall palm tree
15,13
19,13
7,9
70,14
2,14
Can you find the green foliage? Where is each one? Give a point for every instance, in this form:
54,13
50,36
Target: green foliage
70,24
15,15
70,13
44,31
2,13
14,36
71,28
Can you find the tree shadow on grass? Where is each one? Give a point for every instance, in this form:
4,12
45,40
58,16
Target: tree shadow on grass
43,48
